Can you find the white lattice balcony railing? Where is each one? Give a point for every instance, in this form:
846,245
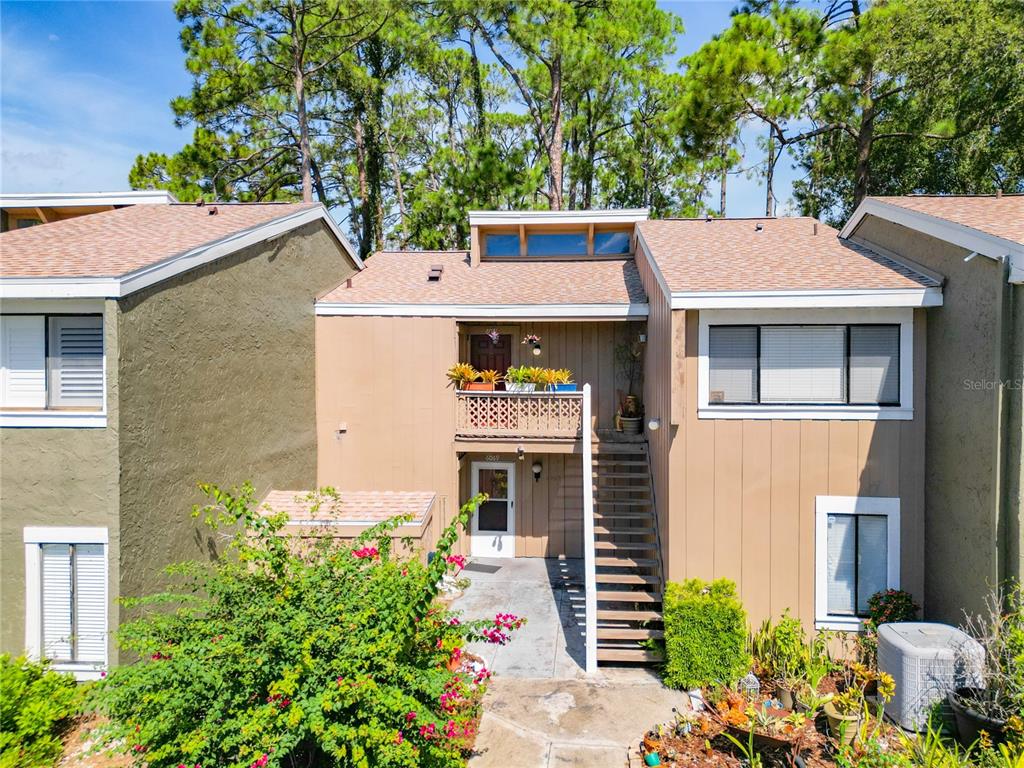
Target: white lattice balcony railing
516,415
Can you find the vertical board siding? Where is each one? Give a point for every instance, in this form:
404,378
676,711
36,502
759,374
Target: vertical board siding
736,499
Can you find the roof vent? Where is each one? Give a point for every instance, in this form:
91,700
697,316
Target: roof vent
434,275
815,227
200,203
999,193
212,211
758,227
707,216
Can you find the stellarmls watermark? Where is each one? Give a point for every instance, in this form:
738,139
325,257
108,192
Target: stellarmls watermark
987,385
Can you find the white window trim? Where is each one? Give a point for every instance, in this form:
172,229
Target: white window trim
904,317
33,537
55,417
850,505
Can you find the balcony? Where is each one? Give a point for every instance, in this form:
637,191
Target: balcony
513,416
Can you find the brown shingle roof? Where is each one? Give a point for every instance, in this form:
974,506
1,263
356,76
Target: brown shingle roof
696,255
115,243
351,506
400,277
998,216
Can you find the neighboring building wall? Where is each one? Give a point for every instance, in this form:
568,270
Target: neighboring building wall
218,385
66,477
588,349
965,540
549,510
381,381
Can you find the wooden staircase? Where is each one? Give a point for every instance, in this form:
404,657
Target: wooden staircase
626,553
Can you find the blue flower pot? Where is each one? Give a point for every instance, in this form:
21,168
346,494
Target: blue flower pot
565,387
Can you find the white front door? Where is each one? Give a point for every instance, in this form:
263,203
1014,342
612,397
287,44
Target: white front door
493,532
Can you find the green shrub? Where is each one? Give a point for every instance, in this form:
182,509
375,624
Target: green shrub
892,605
36,706
780,650
281,654
705,634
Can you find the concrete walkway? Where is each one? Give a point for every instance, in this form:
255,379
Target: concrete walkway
549,594
541,709
594,723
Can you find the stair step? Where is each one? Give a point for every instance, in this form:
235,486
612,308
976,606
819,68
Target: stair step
624,531
645,488
609,462
628,615
628,596
616,633
621,475
628,578
626,562
642,516
619,546
619,448
619,653
623,502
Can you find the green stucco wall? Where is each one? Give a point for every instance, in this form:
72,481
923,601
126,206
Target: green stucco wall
56,476
971,543
217,382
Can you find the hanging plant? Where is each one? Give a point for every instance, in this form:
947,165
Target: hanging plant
494,336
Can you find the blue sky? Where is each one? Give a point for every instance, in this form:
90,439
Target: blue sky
86,86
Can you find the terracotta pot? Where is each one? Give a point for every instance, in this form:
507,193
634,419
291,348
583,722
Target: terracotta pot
970,723
479,386
842,727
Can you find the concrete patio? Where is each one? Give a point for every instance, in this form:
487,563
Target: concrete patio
541,708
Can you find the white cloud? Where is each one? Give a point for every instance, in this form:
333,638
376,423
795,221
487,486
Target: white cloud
52,37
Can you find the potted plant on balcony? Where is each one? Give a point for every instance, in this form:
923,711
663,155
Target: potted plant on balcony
461,375
561,380
519,379
487,380
545,378
630,416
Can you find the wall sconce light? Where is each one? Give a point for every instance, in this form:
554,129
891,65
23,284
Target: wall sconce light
520,453
536,350
643,338
534,341
536,470
654,425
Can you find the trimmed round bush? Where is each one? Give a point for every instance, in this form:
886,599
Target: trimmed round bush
705,634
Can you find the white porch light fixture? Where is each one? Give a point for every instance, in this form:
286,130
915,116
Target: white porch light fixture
654,425
537,467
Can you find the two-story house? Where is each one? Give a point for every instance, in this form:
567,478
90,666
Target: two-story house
142,350
780,370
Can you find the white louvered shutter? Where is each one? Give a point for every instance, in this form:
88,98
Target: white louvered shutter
732,364
57,589
76,362
872,558
803,364
91,602
841,568
22,361
875,364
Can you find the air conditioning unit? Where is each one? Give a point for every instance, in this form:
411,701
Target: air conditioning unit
927,661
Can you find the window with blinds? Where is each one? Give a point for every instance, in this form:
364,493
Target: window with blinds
804,364
858,561
74,602
51,361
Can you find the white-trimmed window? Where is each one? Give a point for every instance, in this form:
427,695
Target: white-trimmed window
52,370
805,364
66,597
857,553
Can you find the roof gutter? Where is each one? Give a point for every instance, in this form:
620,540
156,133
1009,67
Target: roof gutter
895,297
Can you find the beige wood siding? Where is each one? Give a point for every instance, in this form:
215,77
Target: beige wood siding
742,494
381,380
549,511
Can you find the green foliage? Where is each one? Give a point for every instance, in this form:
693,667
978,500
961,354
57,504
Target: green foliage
283,652
36,705
892,605
780,650
705,634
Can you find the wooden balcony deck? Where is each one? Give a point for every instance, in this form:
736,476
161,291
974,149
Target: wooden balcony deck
513,415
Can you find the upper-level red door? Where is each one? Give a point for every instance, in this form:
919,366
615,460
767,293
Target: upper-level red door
487,355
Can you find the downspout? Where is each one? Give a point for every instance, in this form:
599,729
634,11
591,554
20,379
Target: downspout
1000,489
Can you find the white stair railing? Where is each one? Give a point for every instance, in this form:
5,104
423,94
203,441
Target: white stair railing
589,565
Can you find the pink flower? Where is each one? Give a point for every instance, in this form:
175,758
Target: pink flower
450,729
459,561
454,621
410,717
428,730
366,552
260,761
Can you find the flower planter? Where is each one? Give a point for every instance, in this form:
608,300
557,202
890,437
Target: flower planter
519,388
761,740
842,727
565,387
631,425
970,723
478,386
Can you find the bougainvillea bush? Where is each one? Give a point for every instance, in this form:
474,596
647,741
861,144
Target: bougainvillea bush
331,654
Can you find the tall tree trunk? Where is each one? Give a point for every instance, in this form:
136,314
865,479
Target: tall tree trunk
305,151
318,181
555,143
399,190
769,176
365,224
862,171
478,90
725,179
